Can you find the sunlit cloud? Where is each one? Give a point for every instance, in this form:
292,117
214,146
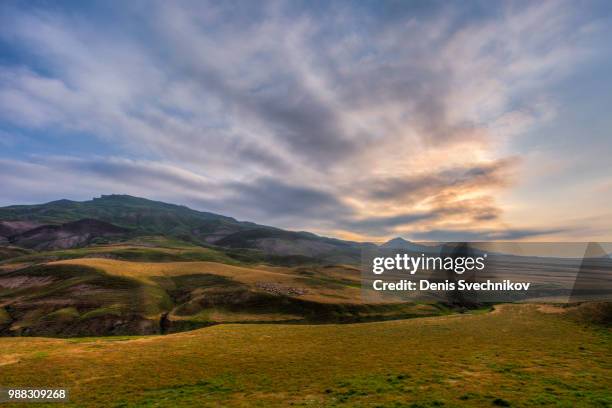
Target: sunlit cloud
344,120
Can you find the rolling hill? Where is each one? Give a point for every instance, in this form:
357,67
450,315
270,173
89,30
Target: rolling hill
142,217
127,270
92,292
119,265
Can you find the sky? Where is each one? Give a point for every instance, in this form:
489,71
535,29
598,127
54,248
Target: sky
361,120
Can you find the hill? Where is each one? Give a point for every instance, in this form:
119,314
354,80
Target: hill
119,264
143,217
100,296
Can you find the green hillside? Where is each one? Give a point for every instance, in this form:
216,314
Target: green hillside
146,216
517,356
136,289
143,217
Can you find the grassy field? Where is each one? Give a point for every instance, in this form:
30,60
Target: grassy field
331,284
95,296
148,249
517,355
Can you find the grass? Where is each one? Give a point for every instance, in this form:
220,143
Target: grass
7,252
515,356
102,311
61,297
344,290
4,316
99,296
66,313
146,249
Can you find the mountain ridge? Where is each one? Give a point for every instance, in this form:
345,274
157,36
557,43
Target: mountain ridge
140,216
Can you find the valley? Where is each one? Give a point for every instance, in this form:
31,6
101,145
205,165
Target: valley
155,285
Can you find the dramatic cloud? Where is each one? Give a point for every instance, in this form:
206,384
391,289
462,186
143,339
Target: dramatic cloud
456,179
345,118
499,235
262,198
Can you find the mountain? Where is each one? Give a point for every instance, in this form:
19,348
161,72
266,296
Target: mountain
397,243
401,243
52,226
139,214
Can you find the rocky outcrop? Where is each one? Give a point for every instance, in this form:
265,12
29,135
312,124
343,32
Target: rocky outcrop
69,235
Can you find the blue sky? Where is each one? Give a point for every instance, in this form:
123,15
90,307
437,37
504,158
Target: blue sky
364,120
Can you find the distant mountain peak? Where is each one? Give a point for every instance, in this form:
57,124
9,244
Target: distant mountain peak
397,242
404,244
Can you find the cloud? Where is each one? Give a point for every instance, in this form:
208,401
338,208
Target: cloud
338,117
462,212
261,198
81,179
281,84
273,198
381,226
457,235
455,179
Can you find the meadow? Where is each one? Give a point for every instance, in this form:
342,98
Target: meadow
516,355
